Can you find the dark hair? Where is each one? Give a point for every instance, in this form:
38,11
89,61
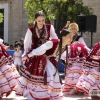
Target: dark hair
17,44
63,33
39,13
78,37
6,44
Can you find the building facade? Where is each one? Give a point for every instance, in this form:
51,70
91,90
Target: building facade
95,5
16,20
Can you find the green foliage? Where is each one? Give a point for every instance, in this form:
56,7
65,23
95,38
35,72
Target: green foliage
48,6
1,17
33,6
61,10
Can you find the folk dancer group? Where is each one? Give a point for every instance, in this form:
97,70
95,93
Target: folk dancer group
42,49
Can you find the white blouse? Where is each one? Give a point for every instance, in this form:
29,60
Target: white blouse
81,40
42,49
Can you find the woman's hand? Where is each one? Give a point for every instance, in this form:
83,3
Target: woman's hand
68,22
95,57
25,58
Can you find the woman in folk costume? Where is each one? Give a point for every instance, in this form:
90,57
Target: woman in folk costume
95,55
8,72
73,27
77,53
40,78
91,76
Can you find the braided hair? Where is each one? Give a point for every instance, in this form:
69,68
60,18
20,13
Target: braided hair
63,33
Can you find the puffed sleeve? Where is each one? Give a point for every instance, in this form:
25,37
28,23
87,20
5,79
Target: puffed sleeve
53,35
27,41
81,40
42,49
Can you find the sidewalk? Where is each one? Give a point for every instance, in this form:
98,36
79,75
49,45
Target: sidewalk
77,97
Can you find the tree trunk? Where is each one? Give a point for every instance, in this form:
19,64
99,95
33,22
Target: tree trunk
57,20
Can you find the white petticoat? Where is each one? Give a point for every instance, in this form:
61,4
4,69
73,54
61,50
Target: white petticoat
53,89
71,78
8,79
86,82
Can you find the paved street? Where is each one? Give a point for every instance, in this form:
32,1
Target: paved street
69,97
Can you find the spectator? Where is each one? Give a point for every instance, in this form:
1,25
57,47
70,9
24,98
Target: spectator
21,41
17,56
11,47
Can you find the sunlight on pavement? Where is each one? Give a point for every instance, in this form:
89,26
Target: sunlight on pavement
77,97
13,96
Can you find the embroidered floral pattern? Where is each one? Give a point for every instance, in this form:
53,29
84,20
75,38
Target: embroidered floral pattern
40,68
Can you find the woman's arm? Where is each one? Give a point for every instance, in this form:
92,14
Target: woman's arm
27,41
42,49
53,35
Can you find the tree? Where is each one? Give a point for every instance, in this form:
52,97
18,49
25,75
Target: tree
1,17
58,10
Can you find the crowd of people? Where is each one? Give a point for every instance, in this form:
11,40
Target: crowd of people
39,79
12,47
